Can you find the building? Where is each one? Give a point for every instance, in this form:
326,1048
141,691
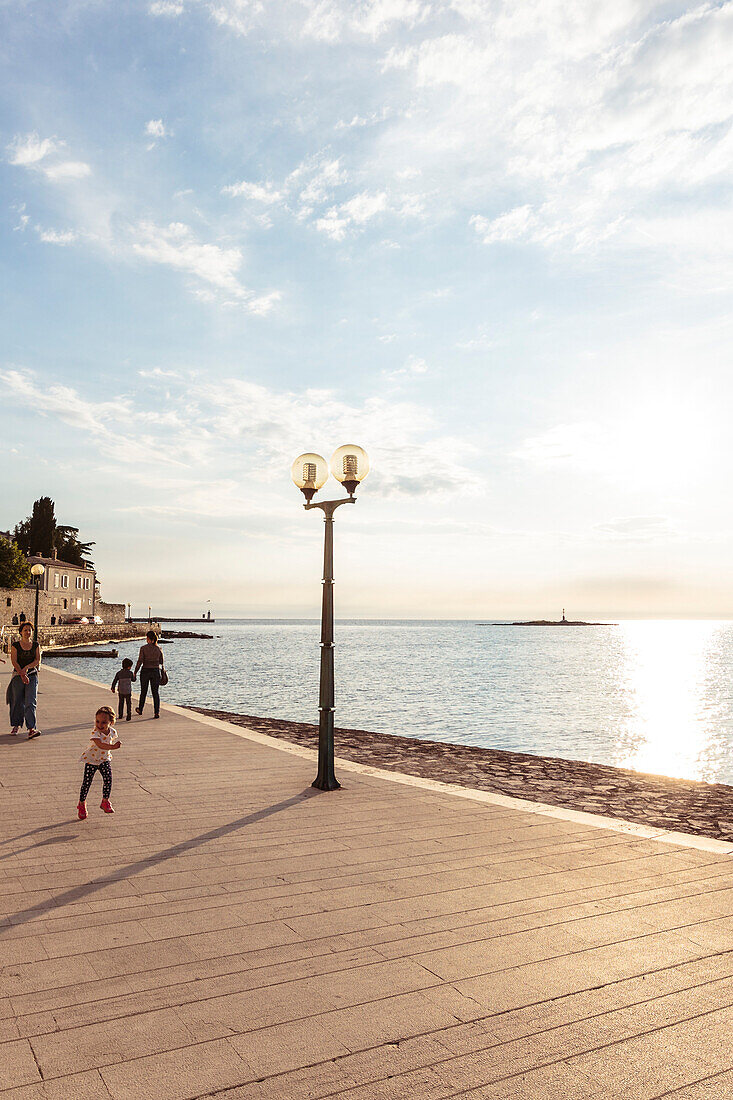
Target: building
71,590
67,592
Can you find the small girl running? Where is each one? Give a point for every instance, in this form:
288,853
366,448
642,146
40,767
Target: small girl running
97,757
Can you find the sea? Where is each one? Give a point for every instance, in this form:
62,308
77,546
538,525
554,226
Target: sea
655,696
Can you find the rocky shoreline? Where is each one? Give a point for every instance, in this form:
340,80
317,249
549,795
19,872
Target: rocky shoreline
705,809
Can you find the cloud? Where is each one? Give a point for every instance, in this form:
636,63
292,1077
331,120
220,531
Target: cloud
68,170
156,128
357,211
56,236
413,366
64,402
32,152
264,193
636,528
251,430
175,245
165,7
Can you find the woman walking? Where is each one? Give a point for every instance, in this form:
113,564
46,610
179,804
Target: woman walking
25,656
150,663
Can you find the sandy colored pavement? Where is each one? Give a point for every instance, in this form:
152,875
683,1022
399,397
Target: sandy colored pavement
661,803
231,932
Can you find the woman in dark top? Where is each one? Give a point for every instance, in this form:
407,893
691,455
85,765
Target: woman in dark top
150,662
25,655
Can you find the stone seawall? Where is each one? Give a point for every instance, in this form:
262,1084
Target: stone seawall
84,634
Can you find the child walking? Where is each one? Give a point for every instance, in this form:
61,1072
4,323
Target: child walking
97,758
123,682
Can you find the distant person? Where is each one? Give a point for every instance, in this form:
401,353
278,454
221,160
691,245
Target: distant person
22,693
97,758
150,663
22,616
123,682
15,619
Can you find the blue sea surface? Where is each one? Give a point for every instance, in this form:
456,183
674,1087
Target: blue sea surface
655,696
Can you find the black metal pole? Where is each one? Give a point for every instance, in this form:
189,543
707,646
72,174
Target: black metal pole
35,616
326,779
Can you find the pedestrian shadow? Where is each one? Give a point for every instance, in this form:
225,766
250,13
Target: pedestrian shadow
40,829
38,844
78,893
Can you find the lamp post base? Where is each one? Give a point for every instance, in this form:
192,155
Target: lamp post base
326,779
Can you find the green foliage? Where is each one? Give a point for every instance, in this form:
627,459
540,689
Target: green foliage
35,535
40,534
15,571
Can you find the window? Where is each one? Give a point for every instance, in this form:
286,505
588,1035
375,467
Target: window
87,583
78,582
10,602
55,580
65,581
66,604
78,605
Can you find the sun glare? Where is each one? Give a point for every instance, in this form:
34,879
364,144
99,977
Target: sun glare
669,730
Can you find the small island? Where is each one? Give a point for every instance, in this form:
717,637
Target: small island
550,622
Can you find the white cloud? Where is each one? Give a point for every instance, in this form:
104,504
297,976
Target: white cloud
64,402
68,170
176,246
636,528
30,150
156,128
251,430
357,210
56,236
165,7
413,366
258,192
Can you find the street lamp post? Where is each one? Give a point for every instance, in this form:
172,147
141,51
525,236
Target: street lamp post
37,572
350,466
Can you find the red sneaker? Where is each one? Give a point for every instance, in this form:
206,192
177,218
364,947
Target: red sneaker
106,805
82,810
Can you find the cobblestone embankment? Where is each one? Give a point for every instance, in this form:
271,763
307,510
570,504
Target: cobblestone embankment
705,809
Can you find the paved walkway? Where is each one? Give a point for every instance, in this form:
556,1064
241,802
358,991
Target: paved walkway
679,805
230,932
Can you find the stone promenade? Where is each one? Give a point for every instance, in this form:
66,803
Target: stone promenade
231,932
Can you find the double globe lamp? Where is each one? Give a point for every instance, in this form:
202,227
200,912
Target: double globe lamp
349,465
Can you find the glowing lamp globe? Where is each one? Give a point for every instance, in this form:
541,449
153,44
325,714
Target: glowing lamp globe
37,570
310,473
350,465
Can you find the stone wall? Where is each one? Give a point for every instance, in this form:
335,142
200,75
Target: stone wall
111,612
14,601
83,634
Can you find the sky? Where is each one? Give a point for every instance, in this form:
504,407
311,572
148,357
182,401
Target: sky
491,242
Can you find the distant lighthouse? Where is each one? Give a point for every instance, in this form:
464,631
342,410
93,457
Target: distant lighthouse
563,615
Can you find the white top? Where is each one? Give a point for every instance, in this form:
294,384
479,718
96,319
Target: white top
93,754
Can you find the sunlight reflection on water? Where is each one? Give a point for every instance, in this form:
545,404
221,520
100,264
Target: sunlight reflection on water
653,696
675,724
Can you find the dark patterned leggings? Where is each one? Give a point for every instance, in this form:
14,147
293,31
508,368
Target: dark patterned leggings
89,769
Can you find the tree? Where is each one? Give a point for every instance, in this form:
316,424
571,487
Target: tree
70,549
36,534
40,534
15,571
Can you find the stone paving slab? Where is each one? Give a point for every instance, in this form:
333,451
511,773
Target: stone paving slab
702,809
231,932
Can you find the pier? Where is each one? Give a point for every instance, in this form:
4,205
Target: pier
232,932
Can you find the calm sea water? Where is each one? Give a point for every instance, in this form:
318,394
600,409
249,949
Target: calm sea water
654,696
